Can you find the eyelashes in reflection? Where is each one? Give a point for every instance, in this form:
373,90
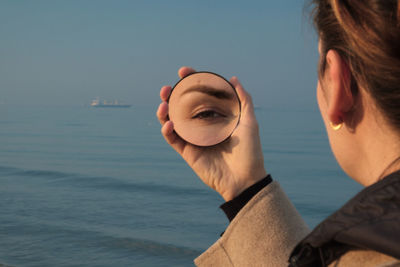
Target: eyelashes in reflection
209,115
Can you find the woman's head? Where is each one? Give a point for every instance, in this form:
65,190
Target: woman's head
359,80
366,34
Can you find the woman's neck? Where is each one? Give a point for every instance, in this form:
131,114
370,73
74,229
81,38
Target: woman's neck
380,146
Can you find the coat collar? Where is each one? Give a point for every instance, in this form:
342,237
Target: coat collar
370,220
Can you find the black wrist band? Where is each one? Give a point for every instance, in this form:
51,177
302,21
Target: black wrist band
232,207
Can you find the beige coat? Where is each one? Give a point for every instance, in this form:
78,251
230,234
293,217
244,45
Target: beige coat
266,230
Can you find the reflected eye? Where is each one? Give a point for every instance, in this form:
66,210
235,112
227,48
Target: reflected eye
208,114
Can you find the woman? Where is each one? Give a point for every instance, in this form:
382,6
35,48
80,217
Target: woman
358,95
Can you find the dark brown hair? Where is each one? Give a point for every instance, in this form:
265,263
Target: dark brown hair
366,33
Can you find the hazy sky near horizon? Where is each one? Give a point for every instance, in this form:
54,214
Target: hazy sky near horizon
68,52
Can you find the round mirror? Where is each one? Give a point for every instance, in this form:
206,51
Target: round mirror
204,108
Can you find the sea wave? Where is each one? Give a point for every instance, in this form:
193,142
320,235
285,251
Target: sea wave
151,247
100,182
12,171
82,239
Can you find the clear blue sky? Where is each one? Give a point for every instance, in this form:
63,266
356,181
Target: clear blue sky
68,52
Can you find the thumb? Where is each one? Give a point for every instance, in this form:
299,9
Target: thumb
246,101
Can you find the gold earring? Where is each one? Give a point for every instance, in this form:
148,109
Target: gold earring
336,127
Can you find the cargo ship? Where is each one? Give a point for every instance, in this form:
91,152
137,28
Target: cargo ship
108,104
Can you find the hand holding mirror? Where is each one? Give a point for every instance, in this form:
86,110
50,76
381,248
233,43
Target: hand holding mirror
204,108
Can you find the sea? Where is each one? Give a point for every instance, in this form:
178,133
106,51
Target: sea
82,186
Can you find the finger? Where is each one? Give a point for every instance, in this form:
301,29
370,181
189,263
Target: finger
162,112
244,97
247,108
185,71
164,92
172,138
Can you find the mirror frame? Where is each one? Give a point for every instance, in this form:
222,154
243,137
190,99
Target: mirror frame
237,97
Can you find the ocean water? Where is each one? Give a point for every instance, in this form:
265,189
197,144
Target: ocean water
82,186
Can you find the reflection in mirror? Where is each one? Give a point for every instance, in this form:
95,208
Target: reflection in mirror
204,108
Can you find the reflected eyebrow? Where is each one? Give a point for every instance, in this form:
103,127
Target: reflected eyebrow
218,93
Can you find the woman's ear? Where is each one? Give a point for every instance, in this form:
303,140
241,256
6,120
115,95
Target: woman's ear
338,95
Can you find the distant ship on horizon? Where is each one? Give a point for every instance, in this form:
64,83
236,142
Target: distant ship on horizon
108,104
